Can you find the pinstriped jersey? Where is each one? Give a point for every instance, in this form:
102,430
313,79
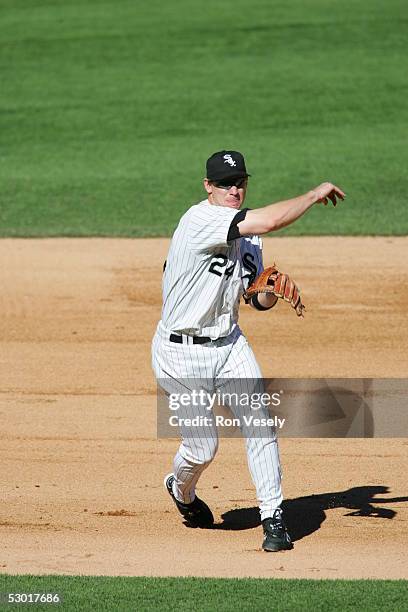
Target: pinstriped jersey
205,275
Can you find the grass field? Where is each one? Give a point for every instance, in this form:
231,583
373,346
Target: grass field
186,594
108,110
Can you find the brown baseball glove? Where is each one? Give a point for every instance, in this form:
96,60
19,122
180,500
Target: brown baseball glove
273,281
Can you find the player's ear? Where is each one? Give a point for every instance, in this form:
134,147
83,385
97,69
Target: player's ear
207,186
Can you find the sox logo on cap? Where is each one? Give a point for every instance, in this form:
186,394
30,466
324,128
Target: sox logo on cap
229,160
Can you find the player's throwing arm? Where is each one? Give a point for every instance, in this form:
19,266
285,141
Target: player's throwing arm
275,216
272,284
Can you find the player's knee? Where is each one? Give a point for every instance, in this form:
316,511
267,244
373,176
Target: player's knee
201,454
210,450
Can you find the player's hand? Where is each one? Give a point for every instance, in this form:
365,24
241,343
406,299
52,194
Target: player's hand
328,191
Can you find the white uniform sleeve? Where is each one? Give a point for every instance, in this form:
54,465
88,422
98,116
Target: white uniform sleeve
208,226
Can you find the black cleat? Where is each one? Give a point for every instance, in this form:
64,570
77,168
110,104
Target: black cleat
197,513
276,536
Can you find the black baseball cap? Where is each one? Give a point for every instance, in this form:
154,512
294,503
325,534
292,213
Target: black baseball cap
226,164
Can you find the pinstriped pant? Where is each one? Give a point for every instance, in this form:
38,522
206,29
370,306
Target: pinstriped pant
227,358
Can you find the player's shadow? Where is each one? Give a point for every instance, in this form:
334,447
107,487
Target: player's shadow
304,515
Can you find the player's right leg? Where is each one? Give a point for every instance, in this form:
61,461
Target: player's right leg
183,369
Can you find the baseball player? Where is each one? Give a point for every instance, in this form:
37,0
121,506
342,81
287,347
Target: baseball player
215,253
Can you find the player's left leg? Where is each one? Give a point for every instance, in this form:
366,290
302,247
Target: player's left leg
241,375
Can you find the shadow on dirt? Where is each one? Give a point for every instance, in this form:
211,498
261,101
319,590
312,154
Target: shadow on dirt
304,515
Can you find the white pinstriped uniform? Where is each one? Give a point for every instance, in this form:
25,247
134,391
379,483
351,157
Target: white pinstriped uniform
203,281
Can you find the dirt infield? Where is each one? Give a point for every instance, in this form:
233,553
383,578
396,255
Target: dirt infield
82,469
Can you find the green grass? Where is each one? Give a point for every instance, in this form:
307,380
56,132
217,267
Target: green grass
108,110
186,594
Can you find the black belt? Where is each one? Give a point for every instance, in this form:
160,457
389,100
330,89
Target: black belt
196,339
